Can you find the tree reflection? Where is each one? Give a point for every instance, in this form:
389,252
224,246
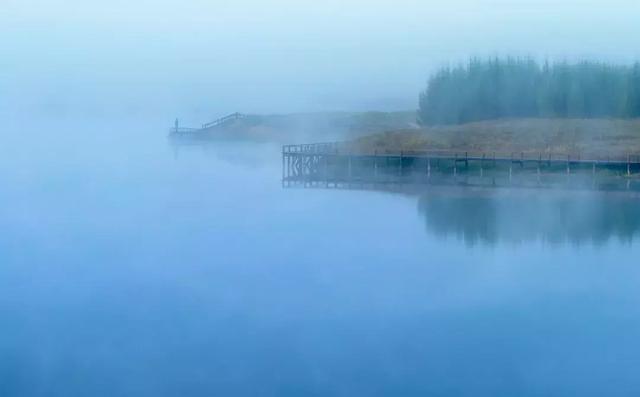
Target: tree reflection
545,216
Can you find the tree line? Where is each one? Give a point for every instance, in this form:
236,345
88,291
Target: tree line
511,88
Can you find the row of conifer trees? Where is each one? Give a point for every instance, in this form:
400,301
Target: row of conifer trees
510,88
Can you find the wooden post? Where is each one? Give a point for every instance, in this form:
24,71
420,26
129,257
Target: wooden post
628,165
455,165
568,164
539,163
375,164
326,168
511,168
482,166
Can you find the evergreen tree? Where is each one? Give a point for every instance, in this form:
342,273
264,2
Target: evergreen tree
498,88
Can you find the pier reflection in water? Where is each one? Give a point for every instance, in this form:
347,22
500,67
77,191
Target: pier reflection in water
336,166
146,271
491,205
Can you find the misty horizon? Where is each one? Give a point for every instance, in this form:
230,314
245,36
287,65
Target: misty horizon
319,198
200,59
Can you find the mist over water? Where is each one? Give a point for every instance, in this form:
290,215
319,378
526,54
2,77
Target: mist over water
135,267
131,266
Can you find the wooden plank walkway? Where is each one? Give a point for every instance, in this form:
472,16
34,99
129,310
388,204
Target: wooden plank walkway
222,120
338,148
177,130
337,163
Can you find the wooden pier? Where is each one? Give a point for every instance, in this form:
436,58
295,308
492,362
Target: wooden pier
223,120
335,165
176,130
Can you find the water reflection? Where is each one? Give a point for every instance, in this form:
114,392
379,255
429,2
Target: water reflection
200,274
549,216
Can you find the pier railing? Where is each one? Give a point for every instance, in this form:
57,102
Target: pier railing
183,130
222,120
344,149
177,130
318,148
344,164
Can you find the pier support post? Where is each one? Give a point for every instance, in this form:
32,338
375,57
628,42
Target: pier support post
326,169
375,164
539,165
511,168
455,165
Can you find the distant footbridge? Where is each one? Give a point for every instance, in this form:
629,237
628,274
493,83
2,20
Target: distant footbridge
177,130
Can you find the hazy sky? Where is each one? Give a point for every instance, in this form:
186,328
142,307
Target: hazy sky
197,58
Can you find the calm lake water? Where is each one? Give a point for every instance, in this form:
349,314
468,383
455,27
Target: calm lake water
131,267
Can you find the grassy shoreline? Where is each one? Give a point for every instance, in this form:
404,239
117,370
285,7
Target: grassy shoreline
597,136
310,127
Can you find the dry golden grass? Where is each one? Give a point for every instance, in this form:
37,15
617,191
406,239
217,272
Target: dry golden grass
310,127
589,136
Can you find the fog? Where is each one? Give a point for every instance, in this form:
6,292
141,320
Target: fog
197,59
136,265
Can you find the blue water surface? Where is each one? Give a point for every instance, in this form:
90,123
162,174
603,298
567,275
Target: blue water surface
133,267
